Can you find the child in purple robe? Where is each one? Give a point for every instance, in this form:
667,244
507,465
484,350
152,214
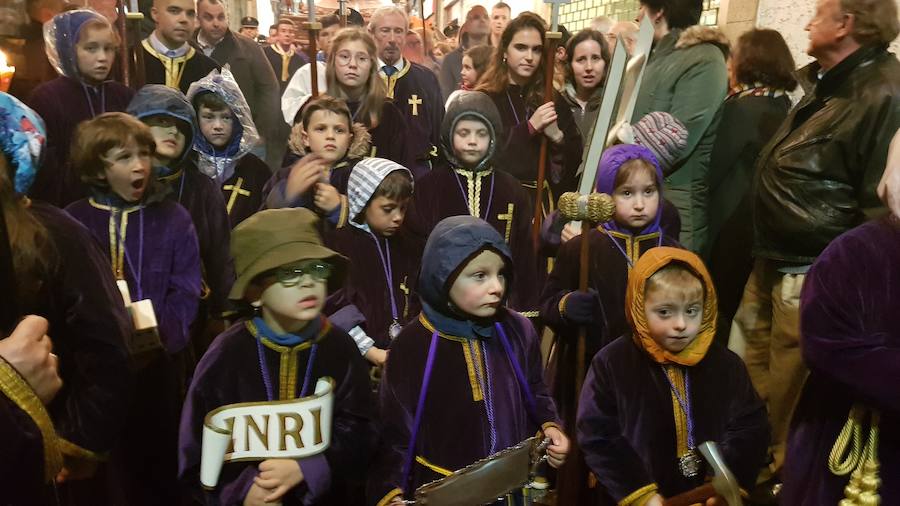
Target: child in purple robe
81,45
483,385
471,184
653,396
152,246
851,343
285,273
632,176
174,127
227,134
329,144
378,299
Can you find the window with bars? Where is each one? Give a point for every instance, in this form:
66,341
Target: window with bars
578,14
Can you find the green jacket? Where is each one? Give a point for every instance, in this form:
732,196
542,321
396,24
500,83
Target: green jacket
686,77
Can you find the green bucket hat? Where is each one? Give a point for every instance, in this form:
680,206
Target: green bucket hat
277,237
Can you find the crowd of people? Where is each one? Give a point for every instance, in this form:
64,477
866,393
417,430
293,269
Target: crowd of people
393,228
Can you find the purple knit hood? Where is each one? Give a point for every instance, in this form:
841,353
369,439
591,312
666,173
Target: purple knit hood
610,162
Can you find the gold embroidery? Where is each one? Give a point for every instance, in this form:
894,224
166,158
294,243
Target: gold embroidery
415,102
473,187
508,218
477,394
17,390
288,364
391,82
681,433
116,237
632,243
236,189
285,61
174,66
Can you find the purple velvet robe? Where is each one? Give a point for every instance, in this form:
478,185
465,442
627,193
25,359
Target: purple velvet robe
417,94
170,271
243,191
455,431
390,139
504,205
22,469
63,103
851,343
274,198
626,425
230,373
170,277
520,149
366,287
90,328
203,200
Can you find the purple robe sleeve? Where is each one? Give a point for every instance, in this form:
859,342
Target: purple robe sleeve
607,451
746,436
562,281
545,408
179,308
386,472
92,343
842,321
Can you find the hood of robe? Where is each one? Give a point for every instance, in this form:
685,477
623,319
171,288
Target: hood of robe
473,105
219,164
60,36
649,264
453,242
365,178
156,99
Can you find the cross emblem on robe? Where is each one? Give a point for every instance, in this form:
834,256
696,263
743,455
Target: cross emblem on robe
235,191
508,218
415,102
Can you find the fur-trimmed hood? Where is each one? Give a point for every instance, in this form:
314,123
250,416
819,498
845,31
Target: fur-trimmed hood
360,146
699,34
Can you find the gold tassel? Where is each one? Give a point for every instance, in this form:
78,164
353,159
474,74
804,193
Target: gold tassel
861,460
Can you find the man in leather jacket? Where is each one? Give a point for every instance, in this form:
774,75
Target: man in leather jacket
815,180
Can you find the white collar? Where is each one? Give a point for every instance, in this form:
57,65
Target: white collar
164,50
399,64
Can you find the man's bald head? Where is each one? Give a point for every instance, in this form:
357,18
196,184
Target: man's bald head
174,21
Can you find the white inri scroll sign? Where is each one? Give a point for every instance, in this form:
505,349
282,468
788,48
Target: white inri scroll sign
290,429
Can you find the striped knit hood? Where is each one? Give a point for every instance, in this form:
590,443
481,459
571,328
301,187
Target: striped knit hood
367,175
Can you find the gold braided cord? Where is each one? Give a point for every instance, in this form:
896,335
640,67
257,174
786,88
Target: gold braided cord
850,455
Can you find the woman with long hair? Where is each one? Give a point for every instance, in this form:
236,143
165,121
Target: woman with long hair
352,75
515,82
585,71
59,273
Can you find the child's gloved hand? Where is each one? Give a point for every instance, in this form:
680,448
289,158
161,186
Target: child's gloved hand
279,476
327,197
304,174
582,308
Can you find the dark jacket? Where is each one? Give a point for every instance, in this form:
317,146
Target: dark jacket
255,78
816,179
450,77
584,117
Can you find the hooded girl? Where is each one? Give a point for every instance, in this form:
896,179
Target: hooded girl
82,46
51,262
614,247
166,110
651,396
227,135
470,184
484,391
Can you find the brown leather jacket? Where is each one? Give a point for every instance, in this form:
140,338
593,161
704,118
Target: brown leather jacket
816,178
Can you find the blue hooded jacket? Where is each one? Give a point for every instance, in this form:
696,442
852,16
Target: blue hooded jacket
453,242
159,100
